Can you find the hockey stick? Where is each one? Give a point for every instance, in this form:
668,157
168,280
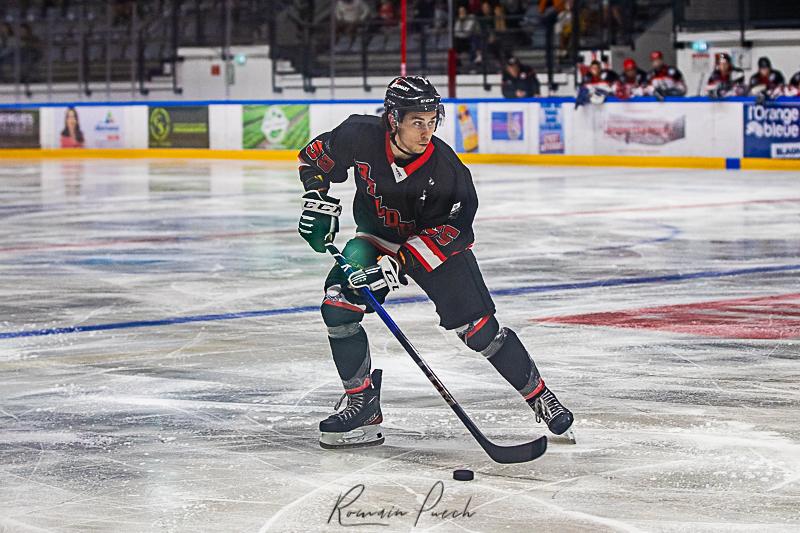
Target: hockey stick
501,454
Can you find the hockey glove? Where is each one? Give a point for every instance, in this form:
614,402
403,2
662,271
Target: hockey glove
319,221
383,276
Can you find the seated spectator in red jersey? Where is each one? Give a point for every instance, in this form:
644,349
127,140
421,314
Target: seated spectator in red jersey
793,87
633,80
767,83
664,80
726,80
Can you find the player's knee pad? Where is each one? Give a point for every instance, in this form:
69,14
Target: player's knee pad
480,334
340,315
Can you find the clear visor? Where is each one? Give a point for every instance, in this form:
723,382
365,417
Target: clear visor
424,109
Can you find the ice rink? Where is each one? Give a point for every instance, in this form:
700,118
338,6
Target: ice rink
163,365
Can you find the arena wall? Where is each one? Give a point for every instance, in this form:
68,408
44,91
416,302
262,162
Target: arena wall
687,132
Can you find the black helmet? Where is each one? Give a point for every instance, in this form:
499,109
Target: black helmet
764,62
412,93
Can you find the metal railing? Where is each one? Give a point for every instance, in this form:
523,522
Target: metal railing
95,47
740,15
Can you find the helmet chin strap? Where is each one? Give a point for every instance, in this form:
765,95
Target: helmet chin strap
393,137
394,142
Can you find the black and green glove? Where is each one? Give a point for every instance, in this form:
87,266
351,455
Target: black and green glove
319,221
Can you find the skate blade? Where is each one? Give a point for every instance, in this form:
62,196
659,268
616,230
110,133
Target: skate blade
357,438
568,437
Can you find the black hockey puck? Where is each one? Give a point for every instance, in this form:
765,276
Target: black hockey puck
463,475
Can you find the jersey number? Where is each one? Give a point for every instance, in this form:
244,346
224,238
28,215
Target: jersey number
315,152
443,234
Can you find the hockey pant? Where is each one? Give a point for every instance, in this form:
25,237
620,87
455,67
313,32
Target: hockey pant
462,302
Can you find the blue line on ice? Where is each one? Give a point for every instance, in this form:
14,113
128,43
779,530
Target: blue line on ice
612,282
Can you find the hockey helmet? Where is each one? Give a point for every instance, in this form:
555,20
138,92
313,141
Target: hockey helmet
412,93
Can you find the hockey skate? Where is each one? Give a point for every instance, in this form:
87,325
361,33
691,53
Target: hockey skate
358,424
549,410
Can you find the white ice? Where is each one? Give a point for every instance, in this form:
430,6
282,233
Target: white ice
210,424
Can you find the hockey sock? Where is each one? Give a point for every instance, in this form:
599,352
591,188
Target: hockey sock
506,353
350,349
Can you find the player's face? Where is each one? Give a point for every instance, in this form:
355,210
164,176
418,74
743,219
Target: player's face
657,63
595,70
764,71
416,130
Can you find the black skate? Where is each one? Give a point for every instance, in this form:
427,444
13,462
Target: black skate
548,409
358,424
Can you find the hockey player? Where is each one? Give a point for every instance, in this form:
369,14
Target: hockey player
766,83
793,87
726,80
664,80
633,81
597,84
414,207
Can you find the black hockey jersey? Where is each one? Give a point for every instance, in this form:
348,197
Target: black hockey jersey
769,83
628,87
606,77
726,84
667,79
425,204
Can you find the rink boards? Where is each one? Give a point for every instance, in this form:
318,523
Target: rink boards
689,132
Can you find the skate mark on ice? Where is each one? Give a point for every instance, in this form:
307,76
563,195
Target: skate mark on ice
605,283
180,239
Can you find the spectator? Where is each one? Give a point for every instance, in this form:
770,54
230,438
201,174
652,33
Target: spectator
664,80
30,52
424,13
492,24
500,24
767,82
793,87
6,48
531,23
350,16
613,16
466,33
514,10
440,20
726,80
519,81
71,135
387,19
633,80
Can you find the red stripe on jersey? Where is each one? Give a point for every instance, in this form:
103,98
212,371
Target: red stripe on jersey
419,257
343,305
482,322
435,249
414,165
389,154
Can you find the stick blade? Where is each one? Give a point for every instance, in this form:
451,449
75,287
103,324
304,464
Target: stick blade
521,453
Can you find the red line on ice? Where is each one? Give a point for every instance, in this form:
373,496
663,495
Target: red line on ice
767,317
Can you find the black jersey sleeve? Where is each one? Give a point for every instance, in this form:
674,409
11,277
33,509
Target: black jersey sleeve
449,215
327,157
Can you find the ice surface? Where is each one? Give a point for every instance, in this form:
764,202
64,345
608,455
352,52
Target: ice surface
179,415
